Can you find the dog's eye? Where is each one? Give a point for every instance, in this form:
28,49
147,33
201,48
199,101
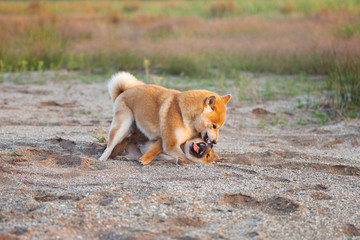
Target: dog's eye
214,126
207,155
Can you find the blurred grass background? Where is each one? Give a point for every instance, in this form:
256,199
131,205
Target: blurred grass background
188,38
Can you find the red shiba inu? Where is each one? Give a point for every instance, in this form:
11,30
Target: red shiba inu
165,116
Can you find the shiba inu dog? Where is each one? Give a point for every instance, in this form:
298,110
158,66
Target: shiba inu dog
196,149
166,116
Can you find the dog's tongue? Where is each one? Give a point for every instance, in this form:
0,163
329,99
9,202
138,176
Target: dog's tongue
196,147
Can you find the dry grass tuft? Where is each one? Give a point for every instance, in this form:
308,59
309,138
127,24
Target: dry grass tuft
115,17
132,6
288,8
34,6
222,8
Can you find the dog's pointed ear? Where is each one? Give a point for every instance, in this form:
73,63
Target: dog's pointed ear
210,101
226,98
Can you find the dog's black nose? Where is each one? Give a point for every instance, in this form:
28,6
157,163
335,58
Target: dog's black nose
213,141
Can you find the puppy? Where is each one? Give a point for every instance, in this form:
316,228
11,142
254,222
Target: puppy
166,116
196,150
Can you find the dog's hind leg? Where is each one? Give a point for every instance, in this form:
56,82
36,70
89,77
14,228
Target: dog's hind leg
120,127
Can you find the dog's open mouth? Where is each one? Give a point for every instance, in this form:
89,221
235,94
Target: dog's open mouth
206,137
198,149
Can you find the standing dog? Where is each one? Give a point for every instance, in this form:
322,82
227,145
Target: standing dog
169,117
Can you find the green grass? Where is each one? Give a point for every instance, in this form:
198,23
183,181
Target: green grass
348,30
66,77
23,81
321,117
277,88
100,139
177,65
302,122
15,154
344,86
262,124
199,8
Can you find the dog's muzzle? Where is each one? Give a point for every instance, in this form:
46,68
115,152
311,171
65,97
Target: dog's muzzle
206,139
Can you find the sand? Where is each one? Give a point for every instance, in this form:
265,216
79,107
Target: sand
276,182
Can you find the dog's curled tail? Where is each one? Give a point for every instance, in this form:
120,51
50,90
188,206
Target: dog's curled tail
120,82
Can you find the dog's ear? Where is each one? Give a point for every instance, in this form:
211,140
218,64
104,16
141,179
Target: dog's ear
213,158
226,98
210,101
216,157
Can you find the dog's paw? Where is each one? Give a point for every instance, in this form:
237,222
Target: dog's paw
106,154
183,161
103,158
145,161
180,161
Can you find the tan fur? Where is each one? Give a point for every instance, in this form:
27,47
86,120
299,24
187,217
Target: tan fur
166,114
137,146
154,149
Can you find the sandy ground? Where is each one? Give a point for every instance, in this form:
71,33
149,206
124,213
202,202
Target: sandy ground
297,182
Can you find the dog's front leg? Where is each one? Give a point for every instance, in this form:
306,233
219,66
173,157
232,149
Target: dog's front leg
153,151
174,149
